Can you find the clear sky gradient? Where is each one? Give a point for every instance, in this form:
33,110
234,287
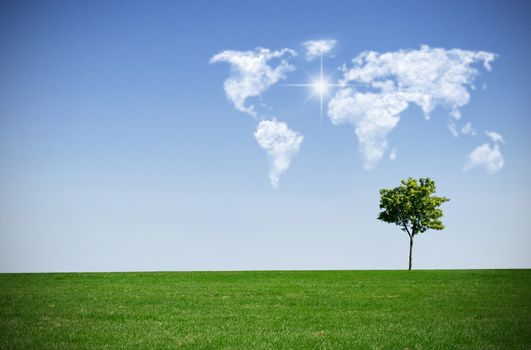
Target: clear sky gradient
120,151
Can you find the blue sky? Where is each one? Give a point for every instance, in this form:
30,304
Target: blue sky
120,150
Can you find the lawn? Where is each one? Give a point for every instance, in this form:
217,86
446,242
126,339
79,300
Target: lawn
459,309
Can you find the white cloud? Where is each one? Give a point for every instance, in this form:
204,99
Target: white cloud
374,115
392,155
485,156
453,128
495,137
427,77
251,73
281,144
316,48
468,129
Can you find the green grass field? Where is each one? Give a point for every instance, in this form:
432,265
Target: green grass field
463,309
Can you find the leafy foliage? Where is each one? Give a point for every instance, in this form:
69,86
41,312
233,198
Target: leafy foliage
412,206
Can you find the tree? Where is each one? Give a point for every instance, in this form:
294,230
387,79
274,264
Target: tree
412,207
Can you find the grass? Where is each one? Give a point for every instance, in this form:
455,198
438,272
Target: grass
463,309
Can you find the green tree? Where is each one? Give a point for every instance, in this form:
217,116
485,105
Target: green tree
412,207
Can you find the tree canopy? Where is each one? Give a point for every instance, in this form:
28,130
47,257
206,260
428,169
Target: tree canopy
412,206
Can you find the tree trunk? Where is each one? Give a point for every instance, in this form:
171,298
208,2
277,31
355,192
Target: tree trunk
410,250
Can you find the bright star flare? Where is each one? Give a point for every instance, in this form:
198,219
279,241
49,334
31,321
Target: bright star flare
319,86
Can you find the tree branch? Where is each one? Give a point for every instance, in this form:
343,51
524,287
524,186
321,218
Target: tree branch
407,230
